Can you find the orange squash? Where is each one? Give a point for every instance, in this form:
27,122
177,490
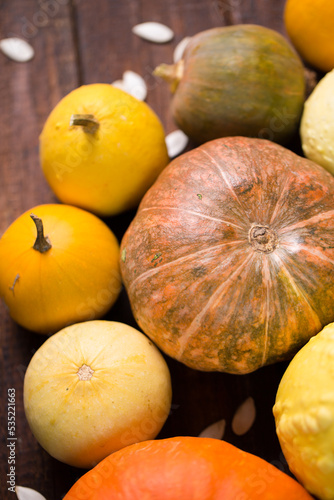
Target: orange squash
61,270
185,468
229,261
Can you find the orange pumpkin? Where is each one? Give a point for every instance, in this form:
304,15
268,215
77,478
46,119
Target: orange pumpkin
185,468
60,270
229,261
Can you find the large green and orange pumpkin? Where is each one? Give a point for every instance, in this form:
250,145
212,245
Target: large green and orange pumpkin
229,261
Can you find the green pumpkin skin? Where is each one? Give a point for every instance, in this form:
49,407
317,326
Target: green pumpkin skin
241,80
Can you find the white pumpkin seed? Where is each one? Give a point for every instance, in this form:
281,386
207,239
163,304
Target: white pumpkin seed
176,142
17,49
215,430
133,84
119,84
244,417
153,32
24,493
136,84
180,48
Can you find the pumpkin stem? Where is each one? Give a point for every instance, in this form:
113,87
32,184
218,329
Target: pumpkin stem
262,238
42,243
171,73
88,122
85,372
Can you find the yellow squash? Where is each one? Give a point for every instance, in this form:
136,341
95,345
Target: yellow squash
304,414
58,265
94,388
317,124
101,149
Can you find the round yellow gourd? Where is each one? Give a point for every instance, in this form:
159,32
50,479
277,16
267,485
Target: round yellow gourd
310,26
94,388
304,414
58,265
317,123
101,149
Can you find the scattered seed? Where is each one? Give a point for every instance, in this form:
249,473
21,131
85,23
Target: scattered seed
24,493
133,84
17,49
180,48
153,32
244,417
176,142
215,430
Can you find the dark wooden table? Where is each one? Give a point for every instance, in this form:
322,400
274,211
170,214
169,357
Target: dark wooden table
81,42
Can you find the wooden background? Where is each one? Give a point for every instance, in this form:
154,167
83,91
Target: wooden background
80,42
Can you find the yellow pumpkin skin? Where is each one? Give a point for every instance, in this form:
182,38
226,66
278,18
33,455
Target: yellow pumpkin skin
304,414
77,279
108,171
112,388
310,26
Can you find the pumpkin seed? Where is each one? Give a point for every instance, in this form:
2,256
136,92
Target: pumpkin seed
17,49
244,417
24,493
215,430
133,84
180,48
153,32
176,142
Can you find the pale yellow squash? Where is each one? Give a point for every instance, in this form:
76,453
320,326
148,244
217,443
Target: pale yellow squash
304,414
94,388
317,123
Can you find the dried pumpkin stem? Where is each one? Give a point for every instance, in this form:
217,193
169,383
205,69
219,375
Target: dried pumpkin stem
85,372
88,122
42,243
262,238
171,73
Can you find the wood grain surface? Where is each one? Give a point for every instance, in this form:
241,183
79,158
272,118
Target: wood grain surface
80,42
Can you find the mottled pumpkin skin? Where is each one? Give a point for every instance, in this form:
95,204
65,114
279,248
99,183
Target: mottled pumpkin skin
241,80
229,261
185,468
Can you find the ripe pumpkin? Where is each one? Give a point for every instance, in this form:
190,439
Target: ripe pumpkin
58,266
237,80
310,26
112,389
229,260
185,468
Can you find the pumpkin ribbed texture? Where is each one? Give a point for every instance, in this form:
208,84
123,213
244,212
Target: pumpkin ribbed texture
229,260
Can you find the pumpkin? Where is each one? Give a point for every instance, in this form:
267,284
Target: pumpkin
58,265
101,149
237,80
187,468
310,27
229,261
112,389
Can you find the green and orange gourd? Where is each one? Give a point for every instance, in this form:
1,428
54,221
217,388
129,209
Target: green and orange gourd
229,260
